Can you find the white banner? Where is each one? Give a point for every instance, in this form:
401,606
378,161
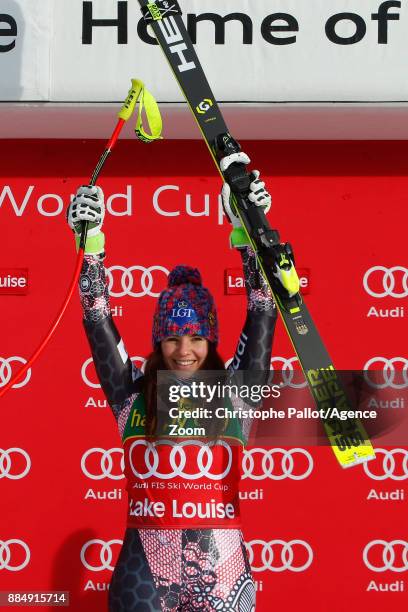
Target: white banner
251,51
25,42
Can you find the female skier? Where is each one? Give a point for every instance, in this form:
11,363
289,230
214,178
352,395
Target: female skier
183,549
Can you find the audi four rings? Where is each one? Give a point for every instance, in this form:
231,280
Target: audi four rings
139,361
288,372
394,555
178,459
105,554
127,281
389,282
389,373
389,466
285,458
6,371
106,463
257,463
262,556
6,463
8,548
389,551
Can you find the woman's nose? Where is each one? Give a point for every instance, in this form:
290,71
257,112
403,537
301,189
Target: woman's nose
184,346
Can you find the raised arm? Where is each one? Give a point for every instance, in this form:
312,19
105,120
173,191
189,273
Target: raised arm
253,352
115,370
254,348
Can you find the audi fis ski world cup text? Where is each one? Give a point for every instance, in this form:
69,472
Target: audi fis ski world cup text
258,464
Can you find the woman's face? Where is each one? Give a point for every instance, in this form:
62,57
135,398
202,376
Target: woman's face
184,353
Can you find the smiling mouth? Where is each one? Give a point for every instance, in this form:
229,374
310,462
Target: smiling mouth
185,362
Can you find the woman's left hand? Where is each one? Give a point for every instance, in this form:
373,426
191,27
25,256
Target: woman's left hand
257,191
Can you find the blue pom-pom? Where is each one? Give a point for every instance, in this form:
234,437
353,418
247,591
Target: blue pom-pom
181,275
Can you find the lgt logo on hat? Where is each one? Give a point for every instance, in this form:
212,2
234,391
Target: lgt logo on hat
183,313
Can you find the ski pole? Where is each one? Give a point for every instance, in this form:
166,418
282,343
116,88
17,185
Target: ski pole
124,114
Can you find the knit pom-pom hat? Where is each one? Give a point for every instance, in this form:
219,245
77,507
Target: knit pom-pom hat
185,307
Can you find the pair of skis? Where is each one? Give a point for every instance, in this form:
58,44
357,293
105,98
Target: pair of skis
348,438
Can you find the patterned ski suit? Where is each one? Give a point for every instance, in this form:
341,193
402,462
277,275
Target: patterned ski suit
174,570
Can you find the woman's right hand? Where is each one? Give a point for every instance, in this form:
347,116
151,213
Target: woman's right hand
87,205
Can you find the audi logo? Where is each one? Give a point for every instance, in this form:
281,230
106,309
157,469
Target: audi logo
388,464
178,459
389,373
6,372
6,463
286,461
267,557
105,554
288,372
389,280
6,548
84,370
127,282
389,552
105,462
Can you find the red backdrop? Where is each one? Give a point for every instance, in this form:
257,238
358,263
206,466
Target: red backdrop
343,207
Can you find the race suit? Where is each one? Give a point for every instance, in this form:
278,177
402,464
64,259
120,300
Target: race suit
193,566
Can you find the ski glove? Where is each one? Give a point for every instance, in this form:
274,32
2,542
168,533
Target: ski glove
258,195
88,205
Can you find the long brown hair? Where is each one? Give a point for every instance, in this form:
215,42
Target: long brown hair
154,363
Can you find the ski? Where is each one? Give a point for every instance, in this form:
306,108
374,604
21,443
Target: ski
348,438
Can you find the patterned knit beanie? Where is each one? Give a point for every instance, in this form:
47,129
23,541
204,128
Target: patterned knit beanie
185,307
